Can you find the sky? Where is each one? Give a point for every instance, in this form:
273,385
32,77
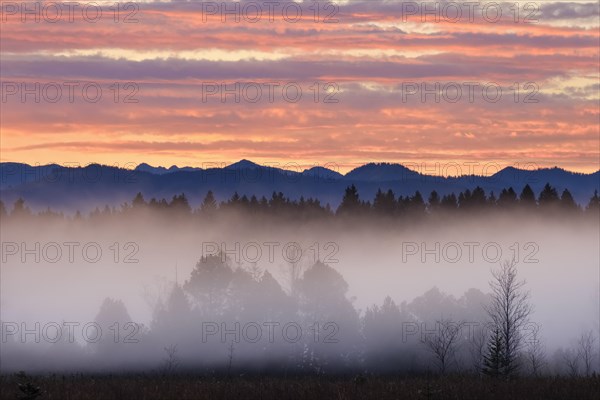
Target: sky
194,83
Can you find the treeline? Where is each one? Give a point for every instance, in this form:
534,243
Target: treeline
240,319
385,204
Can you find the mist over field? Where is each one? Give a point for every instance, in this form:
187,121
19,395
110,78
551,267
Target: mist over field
306,295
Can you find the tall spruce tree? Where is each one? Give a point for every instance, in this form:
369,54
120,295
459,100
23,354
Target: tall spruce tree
493,359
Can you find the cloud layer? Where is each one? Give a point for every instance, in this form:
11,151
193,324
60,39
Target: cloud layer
352,82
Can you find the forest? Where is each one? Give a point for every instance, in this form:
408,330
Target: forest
385,204
234,324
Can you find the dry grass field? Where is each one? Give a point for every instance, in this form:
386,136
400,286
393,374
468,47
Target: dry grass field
146,387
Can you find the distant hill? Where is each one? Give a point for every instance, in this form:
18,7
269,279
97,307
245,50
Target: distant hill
143,167
382,172
68,189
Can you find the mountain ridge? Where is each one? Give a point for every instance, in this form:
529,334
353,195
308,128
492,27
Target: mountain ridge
84,188
356,173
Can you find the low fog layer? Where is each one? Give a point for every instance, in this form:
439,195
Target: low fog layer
306,296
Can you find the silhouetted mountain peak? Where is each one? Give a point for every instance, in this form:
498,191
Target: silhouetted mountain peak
381,172
322,172
244,164
143,167
553,173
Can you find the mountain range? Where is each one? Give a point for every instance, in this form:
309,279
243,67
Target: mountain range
64,188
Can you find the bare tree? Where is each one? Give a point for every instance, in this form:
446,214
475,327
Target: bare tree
171,361
509,311
230,351
535,353
443,342
571,359
585,345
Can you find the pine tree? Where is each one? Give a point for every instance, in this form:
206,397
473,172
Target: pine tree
508,198
478,198
464,199
449,202
379,202
384,203
594,204
351,202
209,204
20,209
492,201
434,201
416,204
567,202
138,200
493,360
548,196
527,197
180,204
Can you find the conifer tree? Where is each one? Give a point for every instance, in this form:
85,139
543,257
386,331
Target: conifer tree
493,359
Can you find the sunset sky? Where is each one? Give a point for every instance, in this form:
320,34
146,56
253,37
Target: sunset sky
370,54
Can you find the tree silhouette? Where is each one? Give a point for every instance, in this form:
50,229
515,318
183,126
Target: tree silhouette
20,209
113,320
173,315
507,199
351,203
270,302
527,197
492,201
586,347
382,329
138,201
180,204
464,199
509,312
535,352
449,202
209,204
567,202
208,284
158,205
278,203
442,342
493,359
548,196
322,299
594,203
434,201
478,198
416,205
384,203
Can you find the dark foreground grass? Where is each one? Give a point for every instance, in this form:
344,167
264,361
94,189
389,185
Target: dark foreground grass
140,387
